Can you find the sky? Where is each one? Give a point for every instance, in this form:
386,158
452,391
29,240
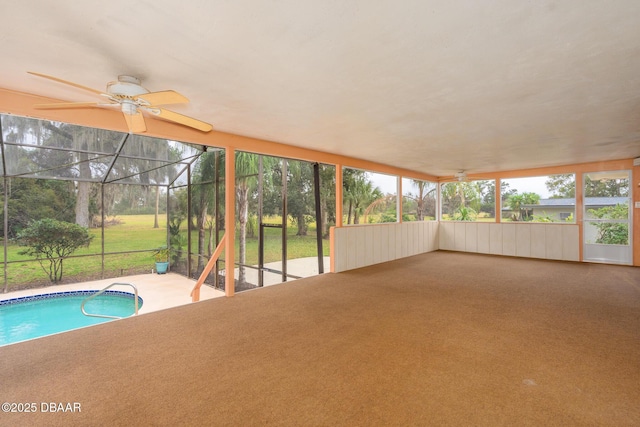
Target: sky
388,184
530,185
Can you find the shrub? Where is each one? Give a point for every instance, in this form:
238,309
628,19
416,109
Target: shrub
465,214
52,241
612,233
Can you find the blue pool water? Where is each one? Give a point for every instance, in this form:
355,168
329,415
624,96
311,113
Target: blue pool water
36,316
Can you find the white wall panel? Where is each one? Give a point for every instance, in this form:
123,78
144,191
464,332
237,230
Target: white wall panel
483,237
570,243
340,249
428,244
392,243
369,244
459,239
352,248
553,239
523,240
508,239
407,240
384,243
377,243
361,242
432,241
471,236
538,241
447,233
495,239
414,232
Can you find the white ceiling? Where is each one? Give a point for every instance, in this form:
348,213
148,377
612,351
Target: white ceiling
432,86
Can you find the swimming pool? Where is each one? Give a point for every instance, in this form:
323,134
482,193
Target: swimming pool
35,316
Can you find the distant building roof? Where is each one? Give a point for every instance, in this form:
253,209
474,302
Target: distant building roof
556,202
588,201
566,202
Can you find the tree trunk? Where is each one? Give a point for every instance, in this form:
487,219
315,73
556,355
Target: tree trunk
325,219
210,239
302,225
202,221
155,219
420,207
243,215
82,202
84,186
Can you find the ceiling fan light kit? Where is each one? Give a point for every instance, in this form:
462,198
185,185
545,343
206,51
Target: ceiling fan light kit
133,99
461,176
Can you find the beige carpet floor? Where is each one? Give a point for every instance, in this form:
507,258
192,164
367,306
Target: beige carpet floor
443,339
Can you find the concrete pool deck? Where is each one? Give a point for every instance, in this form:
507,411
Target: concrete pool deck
162,291
158,291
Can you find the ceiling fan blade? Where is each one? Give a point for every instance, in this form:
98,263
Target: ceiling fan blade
68,83
163,97
69,105
181,119
135,122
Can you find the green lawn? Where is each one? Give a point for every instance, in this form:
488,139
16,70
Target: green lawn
136,233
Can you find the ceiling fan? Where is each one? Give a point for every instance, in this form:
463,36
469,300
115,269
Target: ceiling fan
461,176
464,176
132,99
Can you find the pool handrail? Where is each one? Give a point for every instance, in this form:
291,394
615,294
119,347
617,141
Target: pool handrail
195,292
100,292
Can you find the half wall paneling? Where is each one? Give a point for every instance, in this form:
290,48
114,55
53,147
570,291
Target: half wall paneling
546,241
362,245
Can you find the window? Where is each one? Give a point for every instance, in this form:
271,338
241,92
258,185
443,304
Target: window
549,198
468,201
418,200
368,197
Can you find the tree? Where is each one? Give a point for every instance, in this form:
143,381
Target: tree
382,203
606,187
300,197
33,199
177,214
518,202
487,190
203,198
327,197
611,233
422,199
456,195
52,241
62,150
246,179
349,179
562,186
360,194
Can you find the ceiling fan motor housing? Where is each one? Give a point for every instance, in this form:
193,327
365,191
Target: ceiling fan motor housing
126,86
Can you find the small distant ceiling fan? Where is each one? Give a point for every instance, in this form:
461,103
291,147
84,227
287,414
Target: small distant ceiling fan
462,176
133,99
